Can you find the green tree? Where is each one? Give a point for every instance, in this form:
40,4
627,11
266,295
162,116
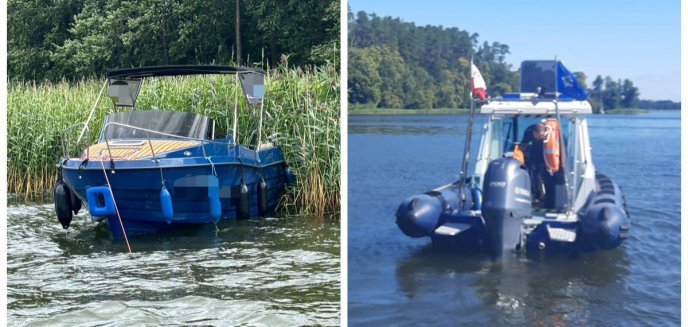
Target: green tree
74,38
629,94
364,80
612,94
436,60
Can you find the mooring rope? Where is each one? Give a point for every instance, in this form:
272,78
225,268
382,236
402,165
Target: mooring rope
112,194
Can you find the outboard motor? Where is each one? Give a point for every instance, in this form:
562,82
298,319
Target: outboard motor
506,202
421,214
605,223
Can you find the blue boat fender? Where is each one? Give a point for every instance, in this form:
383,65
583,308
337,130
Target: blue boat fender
244,207
62,196
477,198
214,203
166,204
262,197
102,193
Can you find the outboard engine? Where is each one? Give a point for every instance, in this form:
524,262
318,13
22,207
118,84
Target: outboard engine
506,202
420,215
605,223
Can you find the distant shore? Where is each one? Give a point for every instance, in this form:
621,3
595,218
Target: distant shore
448,111
385,111
628,111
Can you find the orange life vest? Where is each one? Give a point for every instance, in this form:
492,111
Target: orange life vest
518,154
551,146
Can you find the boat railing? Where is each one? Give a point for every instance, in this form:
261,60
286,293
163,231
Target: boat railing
64,144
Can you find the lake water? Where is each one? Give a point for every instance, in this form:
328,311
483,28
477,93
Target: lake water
397,280
264,272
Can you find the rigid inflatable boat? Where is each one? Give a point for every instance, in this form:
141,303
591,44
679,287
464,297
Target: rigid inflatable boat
512,204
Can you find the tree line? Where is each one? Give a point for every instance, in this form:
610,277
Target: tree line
396,64
70,39
609,94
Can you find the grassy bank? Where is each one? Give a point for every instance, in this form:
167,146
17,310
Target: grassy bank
301,112
385,111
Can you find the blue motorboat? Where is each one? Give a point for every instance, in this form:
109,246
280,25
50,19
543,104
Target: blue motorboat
152,170
510,203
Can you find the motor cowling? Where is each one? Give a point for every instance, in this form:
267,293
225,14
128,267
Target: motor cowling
506,202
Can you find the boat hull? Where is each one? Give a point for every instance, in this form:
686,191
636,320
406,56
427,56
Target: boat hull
194,184
602,224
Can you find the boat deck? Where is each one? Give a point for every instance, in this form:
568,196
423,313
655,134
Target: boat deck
134,149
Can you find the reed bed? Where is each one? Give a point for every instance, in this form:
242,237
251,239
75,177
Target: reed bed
301,115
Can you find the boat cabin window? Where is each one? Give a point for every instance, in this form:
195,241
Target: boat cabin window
135,124
506,131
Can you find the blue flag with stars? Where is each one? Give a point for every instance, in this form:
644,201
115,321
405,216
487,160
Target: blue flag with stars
567,84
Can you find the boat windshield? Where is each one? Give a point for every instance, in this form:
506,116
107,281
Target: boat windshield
502,133
514,130
133,125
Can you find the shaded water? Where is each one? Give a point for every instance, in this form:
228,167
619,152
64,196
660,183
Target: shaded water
273,271
397,280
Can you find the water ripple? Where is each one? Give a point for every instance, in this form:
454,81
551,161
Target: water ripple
267,272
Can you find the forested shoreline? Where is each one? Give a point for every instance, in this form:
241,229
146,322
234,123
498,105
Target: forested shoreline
75,39
397,64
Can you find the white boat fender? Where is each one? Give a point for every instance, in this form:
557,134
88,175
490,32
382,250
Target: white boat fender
166,204
244,207
262,197
63,210
95,193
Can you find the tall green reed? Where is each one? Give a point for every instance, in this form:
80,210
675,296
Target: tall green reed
301,115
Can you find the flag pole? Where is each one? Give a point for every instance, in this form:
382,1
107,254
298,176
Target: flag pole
467,146
562,149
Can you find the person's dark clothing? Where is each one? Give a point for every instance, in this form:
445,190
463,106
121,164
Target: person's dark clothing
534,162
554,189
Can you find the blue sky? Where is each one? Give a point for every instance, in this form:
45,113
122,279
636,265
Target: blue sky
638,40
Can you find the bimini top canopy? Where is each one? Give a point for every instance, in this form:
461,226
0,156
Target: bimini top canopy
179,70
124,84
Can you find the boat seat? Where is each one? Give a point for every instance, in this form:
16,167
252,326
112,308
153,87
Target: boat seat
265,146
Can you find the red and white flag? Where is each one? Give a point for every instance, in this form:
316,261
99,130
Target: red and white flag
477,83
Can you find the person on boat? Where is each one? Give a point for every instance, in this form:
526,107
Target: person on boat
539,152
530,153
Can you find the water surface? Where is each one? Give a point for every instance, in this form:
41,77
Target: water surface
265,272
397,280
